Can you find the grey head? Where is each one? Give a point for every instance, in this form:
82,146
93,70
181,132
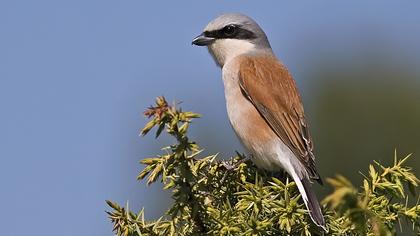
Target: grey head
231,35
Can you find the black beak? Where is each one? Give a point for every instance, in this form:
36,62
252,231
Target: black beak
202,40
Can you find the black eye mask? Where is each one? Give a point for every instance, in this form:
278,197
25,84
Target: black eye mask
230,32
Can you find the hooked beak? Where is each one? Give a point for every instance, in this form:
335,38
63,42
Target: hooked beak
202,40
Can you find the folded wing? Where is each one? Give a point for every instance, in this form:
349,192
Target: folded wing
271,89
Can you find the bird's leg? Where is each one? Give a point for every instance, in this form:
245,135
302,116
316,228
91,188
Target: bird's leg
230,167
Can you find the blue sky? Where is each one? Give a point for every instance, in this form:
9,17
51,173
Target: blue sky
75,77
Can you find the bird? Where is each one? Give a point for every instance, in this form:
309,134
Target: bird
263,103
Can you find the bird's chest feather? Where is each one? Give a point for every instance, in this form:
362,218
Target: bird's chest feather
252,130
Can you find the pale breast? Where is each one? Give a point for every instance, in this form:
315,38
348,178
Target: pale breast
250,127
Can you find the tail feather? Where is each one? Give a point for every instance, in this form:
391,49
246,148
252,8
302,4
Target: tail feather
311,202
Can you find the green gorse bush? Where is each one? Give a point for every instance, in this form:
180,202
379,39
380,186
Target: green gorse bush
209,199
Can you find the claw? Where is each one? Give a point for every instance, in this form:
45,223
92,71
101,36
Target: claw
230,167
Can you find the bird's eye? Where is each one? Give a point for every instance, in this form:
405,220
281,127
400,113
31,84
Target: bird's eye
229,30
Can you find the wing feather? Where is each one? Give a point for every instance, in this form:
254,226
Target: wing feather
271,89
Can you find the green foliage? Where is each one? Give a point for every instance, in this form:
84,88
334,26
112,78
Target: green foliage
212,199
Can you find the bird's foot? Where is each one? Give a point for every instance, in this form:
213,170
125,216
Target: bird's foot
230,165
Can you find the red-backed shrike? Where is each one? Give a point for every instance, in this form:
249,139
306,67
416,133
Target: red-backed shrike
263,103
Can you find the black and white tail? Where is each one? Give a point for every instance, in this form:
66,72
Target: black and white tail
310,200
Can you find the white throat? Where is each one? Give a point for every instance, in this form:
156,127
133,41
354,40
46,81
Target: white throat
224,50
